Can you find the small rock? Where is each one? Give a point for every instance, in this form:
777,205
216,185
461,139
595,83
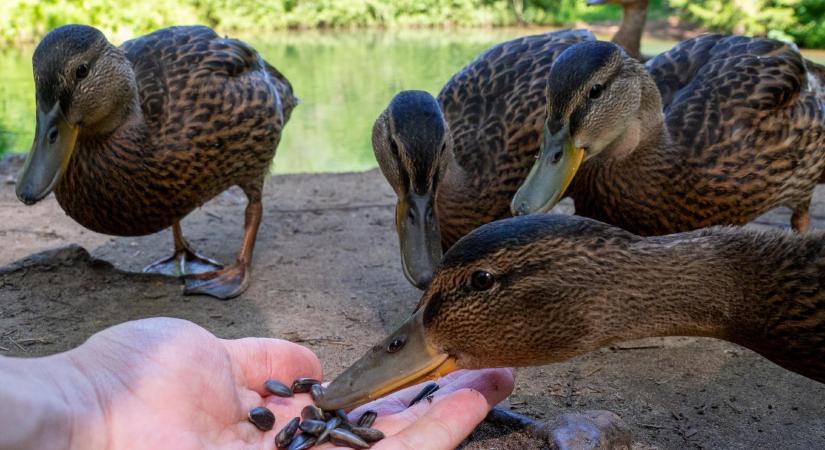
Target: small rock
588,430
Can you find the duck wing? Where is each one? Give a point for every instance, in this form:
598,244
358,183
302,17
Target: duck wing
719,91
181,70
495,106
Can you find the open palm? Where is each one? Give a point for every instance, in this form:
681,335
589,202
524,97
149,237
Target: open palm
168,383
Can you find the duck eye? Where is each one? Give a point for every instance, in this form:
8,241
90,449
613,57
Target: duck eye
396,344
596,91
82,71
482,280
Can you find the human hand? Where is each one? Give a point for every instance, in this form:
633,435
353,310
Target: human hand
168,383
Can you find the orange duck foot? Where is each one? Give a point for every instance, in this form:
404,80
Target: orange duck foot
222,284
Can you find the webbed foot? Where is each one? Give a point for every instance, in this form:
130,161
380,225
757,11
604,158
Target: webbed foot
183,262
587,430
223,284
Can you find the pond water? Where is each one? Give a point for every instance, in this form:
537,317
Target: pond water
343,78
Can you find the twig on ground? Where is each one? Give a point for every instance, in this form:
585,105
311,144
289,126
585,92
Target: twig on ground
637,347
16,344
733,407
570,390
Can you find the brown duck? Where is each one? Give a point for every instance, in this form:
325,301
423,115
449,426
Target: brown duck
544,288
717,130
634,17
456,161
133,138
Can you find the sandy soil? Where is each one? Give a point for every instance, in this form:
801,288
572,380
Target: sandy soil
327,276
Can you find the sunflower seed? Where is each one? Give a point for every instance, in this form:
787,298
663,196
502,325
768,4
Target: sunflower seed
317,392
367,419
277,388
312,412
262,418
284,437
303,385
428,390
344,437
314,427
341,414
331,425
367,434
302,442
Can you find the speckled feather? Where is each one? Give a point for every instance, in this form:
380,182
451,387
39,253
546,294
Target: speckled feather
745,124
566,285
495,109
211,115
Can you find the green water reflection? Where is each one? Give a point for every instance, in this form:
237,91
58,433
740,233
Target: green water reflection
344,80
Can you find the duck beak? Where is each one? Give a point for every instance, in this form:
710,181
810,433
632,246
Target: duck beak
54,142
387,368
419,237
558,162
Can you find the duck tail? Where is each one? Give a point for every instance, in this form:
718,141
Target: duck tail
816,82
288,99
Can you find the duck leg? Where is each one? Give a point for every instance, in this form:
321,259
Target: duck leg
800,220
588,430
231,281
184,261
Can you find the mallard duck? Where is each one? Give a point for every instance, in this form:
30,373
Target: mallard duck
133,138
715,131
629,35
544,288
456,161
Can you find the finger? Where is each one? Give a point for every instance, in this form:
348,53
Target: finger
494,384
260,359
444,424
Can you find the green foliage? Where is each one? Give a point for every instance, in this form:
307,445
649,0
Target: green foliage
799,21
6,140
810,30
28,20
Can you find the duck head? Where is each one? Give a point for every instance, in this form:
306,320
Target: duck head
411,142
515,292
84,86
594,106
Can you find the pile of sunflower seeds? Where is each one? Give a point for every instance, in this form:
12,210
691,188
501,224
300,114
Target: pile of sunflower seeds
316,426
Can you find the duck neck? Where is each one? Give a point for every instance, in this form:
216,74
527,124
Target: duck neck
124,137
114,168
761,290
616,185
455,201
630,32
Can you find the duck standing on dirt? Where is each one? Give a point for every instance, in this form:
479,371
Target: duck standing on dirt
715,131
455,162
133,138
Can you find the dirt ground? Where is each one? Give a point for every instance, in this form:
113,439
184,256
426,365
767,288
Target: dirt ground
327,275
